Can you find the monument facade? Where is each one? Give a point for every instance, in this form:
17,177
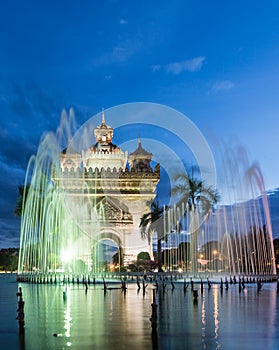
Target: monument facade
117,187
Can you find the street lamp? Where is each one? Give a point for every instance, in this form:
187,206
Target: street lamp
215,253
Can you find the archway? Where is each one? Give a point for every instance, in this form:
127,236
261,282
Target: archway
107,252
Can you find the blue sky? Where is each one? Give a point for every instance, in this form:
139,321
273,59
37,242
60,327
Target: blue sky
215,61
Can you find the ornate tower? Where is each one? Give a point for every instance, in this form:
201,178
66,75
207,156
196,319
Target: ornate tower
140,159
103,153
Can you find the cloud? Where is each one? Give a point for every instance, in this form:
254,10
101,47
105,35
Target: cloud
156,67
123,21
33,104
192,65
15,150
20,104
121,52
10,233
223,85
26,112
11,178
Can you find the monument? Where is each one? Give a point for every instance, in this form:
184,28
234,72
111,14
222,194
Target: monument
89,198
98,195
119,188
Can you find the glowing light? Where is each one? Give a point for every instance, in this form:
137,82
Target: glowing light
66,255
67,317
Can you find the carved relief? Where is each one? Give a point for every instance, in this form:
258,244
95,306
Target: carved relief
113,213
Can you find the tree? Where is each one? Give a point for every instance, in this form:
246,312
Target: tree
154,222
194,192
183,253
39,190
21,200
276,251
8,259
200,199
143,256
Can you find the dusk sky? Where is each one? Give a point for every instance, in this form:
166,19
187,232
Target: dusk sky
217,62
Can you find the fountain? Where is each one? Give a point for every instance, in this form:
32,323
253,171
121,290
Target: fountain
230,239
51,240
82,199
62,233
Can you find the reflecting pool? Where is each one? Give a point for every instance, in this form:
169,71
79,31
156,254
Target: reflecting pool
68,317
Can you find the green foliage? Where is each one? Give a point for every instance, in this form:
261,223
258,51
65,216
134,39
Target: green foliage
208,248
115,258
22,195
142,265
154,222
143,256
194,192
9,259
276,252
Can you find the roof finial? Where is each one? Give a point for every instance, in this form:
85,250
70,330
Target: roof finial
103,116
139,142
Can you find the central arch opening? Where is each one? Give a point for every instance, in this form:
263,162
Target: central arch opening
107,253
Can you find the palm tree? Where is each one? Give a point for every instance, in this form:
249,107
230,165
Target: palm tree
194,192
200,199
154,222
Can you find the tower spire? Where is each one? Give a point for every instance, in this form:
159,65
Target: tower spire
103,116
139,142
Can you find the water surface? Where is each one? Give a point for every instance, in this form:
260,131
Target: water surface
96,320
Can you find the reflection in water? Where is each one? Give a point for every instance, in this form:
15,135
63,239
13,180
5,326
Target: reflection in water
22,341
154,337
216,321
203,322
233,320
67,316
209,311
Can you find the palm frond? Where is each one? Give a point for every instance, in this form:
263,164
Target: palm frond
193,191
